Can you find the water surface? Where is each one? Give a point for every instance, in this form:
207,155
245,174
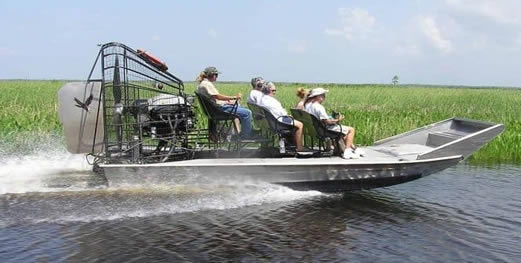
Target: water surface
52,208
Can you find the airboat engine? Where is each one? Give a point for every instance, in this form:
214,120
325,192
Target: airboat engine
160,118
155,115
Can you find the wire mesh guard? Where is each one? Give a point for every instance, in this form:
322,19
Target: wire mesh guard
147,116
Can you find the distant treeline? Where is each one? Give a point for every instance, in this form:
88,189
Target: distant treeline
409,85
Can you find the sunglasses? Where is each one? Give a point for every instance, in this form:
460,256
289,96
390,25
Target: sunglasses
273,90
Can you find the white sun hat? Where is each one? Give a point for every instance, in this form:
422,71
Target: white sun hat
317,92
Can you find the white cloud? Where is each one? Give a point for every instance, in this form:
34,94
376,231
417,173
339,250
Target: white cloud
430,29
297,47
212,33
487,23
356,23
502,12
462,27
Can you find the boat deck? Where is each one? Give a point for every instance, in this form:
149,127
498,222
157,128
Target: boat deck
374,154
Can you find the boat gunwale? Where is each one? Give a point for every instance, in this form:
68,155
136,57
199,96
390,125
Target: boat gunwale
189,163
466,137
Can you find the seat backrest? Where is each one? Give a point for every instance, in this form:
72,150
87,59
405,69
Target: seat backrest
202,103
320,127
276,125
258,116
212,110
307,121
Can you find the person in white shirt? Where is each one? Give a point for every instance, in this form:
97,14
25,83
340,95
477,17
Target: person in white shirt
269,102
314,106
256,93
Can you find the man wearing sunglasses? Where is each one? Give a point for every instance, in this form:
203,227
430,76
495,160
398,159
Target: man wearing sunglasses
269,102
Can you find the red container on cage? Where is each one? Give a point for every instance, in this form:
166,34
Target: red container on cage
154,61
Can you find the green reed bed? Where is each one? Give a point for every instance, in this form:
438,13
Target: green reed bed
29,106
376,111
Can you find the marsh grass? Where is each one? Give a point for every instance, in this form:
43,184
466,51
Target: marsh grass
376,111
29,106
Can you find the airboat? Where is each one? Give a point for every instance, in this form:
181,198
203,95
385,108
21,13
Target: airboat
137,125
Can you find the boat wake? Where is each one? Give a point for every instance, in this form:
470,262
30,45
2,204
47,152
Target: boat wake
55,186
45,171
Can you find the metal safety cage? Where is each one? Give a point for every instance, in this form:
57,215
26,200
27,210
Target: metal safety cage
147,117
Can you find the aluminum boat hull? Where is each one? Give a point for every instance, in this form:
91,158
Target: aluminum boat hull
332,174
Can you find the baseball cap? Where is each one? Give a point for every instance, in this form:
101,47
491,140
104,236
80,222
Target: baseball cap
211,70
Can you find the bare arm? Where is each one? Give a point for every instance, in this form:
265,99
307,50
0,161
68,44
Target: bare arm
334,121
227,98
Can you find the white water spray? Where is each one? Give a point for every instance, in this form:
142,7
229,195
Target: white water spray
37,172
52,185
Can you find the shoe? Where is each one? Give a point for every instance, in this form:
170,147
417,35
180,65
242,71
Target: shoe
305,150
349,154
359,152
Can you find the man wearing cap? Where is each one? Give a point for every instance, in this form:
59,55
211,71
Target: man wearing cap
314,106
206,87
255,93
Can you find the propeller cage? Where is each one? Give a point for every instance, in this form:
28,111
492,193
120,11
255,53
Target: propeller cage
147,115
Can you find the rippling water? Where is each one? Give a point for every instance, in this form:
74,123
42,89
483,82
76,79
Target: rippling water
52,208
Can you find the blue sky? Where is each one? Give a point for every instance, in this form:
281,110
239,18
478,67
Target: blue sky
455,42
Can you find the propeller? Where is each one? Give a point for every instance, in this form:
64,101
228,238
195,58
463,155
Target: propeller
118,107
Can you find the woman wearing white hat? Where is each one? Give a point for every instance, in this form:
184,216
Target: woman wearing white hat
314,106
